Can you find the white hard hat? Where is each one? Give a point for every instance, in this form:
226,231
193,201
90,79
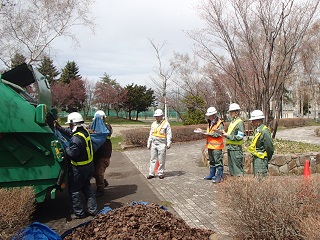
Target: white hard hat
211,111
101,113
74,117
158,112
234,107
256,114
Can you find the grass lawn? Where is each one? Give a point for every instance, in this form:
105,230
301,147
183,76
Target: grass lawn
115,143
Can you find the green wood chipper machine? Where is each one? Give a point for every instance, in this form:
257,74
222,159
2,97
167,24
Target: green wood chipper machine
30,152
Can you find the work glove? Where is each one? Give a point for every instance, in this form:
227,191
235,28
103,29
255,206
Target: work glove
56,124
148,145
168,146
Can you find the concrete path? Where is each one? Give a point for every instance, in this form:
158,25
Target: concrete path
192,197
302,134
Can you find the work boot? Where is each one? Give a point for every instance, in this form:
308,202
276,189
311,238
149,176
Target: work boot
75,216
219,175
212,173
106,184
93,213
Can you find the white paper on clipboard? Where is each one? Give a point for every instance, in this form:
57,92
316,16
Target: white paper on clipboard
199,131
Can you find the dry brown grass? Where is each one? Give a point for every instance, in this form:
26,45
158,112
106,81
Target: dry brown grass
274,208
293,122
139,137
17,206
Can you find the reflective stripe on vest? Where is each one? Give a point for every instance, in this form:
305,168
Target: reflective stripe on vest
156,130
88,149
230,129
253,147
212,142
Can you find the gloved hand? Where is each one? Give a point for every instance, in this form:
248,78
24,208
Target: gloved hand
168,146
148,145
56,123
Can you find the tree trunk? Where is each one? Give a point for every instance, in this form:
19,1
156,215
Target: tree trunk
277,117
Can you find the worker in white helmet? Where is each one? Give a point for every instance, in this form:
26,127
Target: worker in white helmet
214,145
159,141
261,146
234,140
81,167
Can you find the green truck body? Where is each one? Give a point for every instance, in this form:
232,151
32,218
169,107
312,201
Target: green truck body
30,152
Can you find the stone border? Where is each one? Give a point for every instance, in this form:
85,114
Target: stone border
280,164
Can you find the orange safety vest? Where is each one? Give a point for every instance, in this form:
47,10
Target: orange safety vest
157,130
215,143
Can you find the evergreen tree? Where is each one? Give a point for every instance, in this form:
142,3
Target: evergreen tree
108,80
194,106
17,60
139,99
47,69
70,72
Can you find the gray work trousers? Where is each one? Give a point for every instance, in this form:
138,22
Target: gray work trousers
158,152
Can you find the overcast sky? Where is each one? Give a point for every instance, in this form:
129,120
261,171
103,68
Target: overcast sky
120,46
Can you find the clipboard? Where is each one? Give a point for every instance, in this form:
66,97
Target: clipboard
218,131
201,132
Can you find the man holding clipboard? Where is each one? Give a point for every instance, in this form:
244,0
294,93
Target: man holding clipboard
214,144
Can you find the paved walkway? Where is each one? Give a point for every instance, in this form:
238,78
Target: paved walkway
193,198
302,134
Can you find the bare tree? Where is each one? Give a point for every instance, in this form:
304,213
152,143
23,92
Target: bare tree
193,81
30,26
109,94
309,62
89,87
255,42
69,97
190,80
164,74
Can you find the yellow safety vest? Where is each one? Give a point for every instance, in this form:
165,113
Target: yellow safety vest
156,130
232,125
252,148
88,149
212,142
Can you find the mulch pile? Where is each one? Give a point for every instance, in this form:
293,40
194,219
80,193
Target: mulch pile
138,222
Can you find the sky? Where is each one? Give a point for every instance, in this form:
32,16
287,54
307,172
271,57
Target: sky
121,46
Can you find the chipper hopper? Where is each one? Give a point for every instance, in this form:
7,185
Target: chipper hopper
30,152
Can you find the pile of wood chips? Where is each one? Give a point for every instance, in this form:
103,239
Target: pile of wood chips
138,222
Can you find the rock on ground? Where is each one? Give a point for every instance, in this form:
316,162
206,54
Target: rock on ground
138,222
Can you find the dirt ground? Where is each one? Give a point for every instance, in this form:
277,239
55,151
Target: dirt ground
118,128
